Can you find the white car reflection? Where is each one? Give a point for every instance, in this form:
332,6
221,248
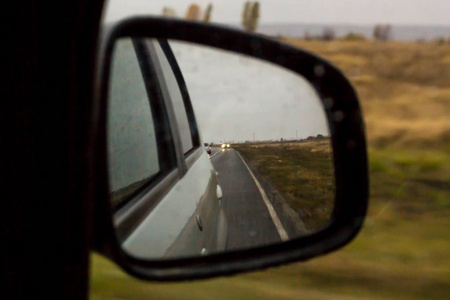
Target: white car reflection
164,190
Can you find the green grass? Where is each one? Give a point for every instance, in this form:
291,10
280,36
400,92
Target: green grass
408,163
401,253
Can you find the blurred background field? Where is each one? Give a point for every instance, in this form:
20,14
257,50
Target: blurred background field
403,250
404,88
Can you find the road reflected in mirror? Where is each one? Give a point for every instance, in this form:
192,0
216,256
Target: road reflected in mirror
212,151
270,144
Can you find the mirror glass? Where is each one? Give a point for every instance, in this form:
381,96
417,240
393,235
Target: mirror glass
212,151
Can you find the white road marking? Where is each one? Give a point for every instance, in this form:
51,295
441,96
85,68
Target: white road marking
281,231
211,156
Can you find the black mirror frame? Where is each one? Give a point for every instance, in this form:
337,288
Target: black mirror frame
348,141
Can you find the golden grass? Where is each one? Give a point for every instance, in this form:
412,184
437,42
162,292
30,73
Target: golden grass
310,145
404,88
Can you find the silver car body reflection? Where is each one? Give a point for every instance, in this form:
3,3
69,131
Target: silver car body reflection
171,211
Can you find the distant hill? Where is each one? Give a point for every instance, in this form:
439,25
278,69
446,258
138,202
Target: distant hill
399,32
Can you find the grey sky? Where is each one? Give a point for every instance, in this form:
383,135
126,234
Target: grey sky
415,12
228,105
235,97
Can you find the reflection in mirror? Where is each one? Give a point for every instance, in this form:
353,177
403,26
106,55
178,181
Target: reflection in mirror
131,134
262,173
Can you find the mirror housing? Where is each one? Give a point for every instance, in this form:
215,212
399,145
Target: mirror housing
347,140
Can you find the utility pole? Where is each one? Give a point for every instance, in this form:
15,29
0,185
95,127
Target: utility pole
253,136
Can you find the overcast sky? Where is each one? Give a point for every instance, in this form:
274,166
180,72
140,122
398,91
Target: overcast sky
234,99
415,12
237,98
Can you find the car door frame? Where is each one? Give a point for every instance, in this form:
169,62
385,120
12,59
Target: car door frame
141,203
138,205
189,158
217,220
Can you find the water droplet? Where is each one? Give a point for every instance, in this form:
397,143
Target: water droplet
319,70
338,116
328,103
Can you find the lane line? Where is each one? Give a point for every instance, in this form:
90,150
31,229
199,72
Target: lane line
215,153
276,221
211,156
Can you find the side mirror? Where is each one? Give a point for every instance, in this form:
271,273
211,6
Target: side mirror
282,178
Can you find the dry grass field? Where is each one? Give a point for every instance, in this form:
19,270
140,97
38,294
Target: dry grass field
302,172
404,88
403,250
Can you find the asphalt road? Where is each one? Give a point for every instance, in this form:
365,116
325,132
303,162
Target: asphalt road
253,218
